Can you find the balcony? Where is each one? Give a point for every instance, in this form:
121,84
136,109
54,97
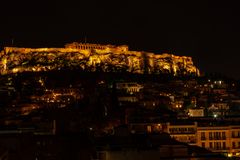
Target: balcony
219,148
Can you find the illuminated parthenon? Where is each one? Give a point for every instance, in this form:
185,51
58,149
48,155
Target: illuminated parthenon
93,57
76,45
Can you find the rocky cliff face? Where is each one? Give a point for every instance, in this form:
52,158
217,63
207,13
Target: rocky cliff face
108,59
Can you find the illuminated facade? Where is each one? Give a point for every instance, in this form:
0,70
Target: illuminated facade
183,133
129,87
91,46
225,139
93,57
196,112
217,138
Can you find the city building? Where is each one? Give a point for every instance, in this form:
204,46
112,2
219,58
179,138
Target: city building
182,132
222,139
129,87
196,112
218,109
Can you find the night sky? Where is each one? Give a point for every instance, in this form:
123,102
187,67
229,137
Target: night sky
207,31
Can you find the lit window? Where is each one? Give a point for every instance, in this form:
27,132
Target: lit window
233,145
202,135
210,145
224,145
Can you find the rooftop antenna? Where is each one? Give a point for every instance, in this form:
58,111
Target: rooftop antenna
12,41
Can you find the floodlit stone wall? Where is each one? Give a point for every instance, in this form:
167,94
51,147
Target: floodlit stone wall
93,57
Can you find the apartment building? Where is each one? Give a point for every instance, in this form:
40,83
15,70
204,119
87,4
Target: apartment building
182,133
223,139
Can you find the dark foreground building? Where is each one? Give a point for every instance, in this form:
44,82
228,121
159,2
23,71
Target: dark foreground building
85,147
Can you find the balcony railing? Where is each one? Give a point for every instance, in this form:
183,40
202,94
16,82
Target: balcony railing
219,148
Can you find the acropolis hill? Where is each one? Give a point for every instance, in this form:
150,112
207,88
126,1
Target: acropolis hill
93,57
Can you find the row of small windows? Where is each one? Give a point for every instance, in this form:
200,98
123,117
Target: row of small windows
176,130
215,135
220,145
215,145
219,135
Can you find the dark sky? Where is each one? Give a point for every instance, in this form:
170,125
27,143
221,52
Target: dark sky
207,31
